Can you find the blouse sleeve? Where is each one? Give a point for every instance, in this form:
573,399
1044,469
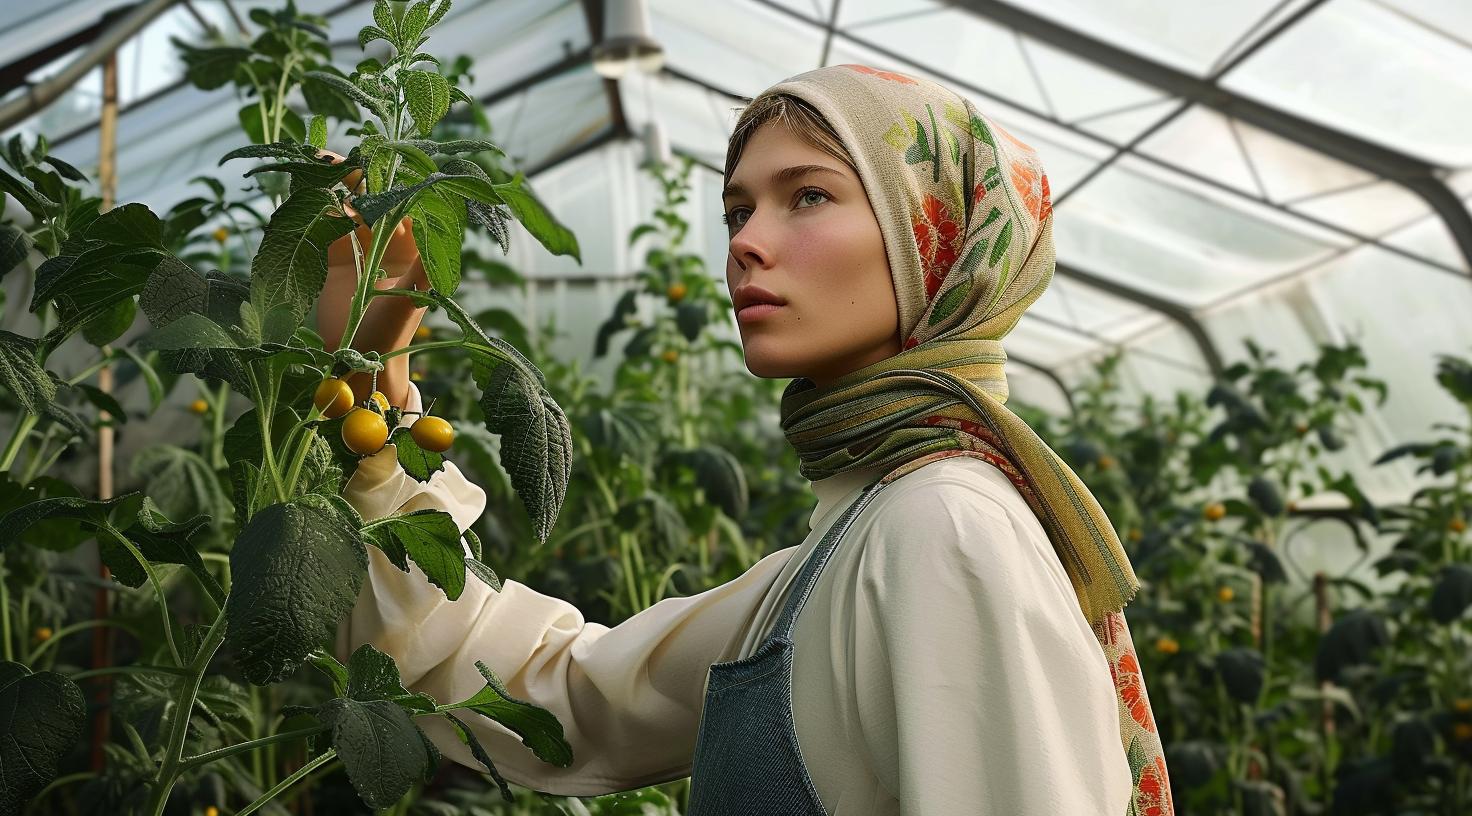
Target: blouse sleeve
628,697
986,692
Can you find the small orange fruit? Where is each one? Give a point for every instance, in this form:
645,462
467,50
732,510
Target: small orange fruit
1216,511
364,431
199,406
211,811
1462,732
333,397
42,633
1135,534
1457,525
416,375
1106,462
422,333
1462,705
1225,594
1300,429
432,433
220,234
676,292
670,356
380,400
1167,645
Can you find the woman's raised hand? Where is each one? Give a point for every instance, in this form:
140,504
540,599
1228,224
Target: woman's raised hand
389,322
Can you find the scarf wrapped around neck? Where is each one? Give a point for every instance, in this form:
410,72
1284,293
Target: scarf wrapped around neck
964,210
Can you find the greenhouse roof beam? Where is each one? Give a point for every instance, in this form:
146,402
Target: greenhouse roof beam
1199,178
13,75
1412,173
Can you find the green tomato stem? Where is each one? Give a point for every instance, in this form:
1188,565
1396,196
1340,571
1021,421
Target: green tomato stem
436,344
72,629
288,782
158,589
190,763
184,706
22,429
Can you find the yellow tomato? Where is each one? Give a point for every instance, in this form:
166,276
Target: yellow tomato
1463,705
1457,525
1167,645
333,398
1225,594
1135,534
676,292
1216,511
199,406
364,431
211,811
43,633
221,234
432,433
1462,732
422,333
416,375
670,356
1106,462
378,397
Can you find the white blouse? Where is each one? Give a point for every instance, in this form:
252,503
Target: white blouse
942,663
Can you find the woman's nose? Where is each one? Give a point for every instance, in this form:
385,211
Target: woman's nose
749,245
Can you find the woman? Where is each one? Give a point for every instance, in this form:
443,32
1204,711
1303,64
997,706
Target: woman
960,646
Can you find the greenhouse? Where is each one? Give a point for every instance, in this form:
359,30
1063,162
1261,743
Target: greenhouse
463,407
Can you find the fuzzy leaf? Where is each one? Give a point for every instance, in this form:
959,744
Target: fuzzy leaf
428,95
384,752
22,375
42,716
296,574
291,266
538,728
15,245
431,538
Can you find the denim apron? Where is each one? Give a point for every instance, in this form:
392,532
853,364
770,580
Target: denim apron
747,760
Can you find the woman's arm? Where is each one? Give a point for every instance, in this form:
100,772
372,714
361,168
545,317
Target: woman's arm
990,693
629,697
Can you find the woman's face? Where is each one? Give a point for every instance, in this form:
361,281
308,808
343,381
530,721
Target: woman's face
810,238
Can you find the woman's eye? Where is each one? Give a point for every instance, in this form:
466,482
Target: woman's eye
733,218
806,193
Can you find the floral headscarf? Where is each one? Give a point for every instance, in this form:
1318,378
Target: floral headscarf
964,210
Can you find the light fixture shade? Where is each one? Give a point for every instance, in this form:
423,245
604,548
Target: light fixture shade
626,40
656,144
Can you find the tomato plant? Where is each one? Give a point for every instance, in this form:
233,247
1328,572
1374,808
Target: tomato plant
295,553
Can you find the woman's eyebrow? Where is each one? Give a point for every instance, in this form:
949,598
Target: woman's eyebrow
785,174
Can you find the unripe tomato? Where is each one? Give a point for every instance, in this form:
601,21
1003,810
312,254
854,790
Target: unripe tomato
416,375
1216,511
333,398
220,234
1225,594
1456,525
432,433
43,633
676,292
364,431
422,333
378,397
670,356
199,406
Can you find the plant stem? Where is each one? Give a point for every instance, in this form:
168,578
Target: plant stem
183,707
5,611
217,436
158,588
383,231
197,760
131,668
22,429
288,782
420,346
263,410
58,782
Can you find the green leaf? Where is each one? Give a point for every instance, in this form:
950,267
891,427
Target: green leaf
161,542
428,95
103,401
188,331
538,728
258,129
39,206
537,219
111,323
720,475
384,752
210,68
329,100
347,88
22,375
296,574
439,232
431,538
1242,672
1452,594
91,512
150,378
417,462
468,739
482,571
536,441
454,146
15,246
691,318
42,716
291,266
182,482
641,231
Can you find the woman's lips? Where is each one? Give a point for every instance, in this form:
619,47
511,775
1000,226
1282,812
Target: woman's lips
756,311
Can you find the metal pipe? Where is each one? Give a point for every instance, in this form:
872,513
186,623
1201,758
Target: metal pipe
39,96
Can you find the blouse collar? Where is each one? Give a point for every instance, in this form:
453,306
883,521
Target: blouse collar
838,490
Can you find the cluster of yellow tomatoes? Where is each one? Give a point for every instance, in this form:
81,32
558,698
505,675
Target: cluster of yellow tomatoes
365,430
